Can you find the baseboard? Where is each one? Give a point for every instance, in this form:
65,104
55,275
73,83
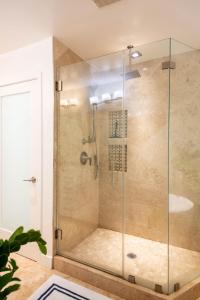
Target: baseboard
46,261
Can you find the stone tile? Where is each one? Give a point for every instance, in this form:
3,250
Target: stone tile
104,249
34,275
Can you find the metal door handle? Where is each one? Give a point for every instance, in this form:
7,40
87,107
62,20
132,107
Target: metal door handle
32,179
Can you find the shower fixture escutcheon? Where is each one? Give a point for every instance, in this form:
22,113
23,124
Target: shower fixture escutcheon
84,158
89,140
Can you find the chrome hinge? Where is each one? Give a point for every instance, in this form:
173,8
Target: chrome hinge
168,65
177,286
59,86
58,234
158,288
131,279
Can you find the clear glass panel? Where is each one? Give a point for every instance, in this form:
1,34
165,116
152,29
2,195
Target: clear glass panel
15,157
141,191
146,179
184,188
89,170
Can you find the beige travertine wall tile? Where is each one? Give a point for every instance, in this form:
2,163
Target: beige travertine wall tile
145,182
63,55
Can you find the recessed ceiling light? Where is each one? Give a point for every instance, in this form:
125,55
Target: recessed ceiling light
136,54
102,3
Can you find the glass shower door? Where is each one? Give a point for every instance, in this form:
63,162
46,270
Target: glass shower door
89,166
184,188
146,180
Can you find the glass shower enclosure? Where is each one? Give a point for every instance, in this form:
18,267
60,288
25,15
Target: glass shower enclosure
128,164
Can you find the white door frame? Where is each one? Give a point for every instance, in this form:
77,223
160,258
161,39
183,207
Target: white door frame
15,86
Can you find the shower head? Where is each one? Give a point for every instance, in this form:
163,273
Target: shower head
132,74
133,54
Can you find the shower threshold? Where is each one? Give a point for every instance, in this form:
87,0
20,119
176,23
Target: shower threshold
149,264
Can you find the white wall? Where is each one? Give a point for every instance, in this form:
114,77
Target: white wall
21,65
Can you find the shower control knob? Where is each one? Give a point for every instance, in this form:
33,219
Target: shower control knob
84,158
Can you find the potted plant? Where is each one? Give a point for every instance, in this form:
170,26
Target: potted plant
8,282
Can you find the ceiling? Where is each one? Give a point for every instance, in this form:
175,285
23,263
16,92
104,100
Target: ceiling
91,31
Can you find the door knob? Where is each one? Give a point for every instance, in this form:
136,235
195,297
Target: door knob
32,179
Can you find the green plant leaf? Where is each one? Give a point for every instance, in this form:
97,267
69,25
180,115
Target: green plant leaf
18,231
22,238
42,247
7,278
15,246
3,261
9,266
34,235
5,248
13,264
5,269
8,291
42,241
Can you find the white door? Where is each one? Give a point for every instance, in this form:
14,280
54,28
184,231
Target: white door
20,160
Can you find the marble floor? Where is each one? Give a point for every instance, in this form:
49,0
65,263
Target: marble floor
33,275
145,259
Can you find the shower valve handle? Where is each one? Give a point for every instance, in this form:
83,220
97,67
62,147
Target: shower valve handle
84,158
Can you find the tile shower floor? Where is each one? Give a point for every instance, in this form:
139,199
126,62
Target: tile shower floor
145,259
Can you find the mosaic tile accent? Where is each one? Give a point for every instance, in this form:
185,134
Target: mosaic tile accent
117,158
118,123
